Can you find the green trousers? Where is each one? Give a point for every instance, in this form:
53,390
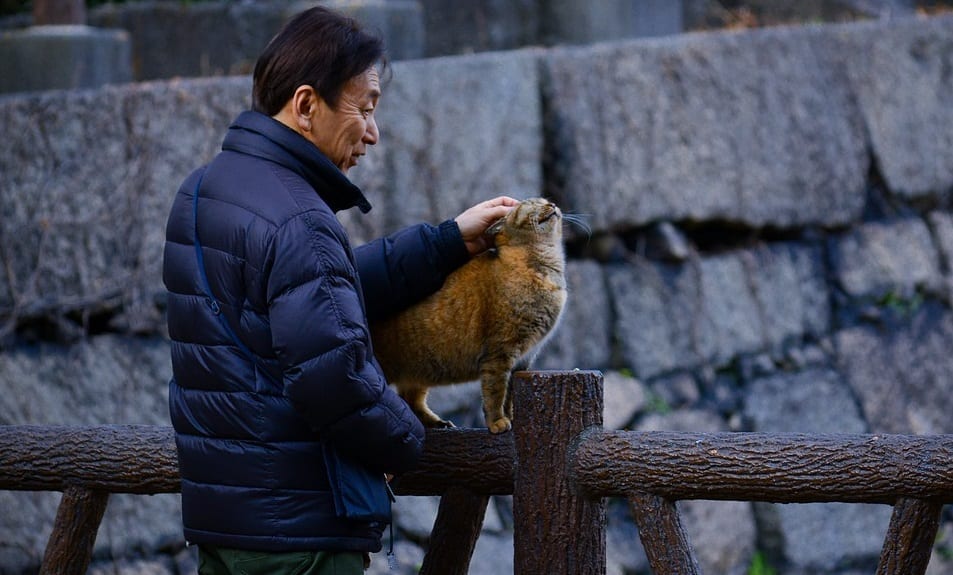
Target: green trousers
222,561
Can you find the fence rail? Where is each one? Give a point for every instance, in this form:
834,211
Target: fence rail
774,467
559,465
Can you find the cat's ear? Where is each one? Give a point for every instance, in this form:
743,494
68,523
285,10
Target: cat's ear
496,227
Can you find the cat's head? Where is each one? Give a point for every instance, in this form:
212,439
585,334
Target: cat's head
534,220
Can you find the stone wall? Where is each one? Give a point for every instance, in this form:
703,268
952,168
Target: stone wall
160,39
770,250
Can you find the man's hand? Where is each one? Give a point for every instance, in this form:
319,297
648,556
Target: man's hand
474,221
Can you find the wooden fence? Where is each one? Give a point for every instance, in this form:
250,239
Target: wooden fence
567,466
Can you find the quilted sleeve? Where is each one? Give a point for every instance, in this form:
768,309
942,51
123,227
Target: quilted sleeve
403,268
321,340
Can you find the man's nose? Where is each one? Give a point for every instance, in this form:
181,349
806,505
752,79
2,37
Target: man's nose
372,134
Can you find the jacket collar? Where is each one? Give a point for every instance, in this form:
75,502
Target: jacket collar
256,134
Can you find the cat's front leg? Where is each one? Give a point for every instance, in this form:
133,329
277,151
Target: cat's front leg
523,364
494,377
508,401
416,398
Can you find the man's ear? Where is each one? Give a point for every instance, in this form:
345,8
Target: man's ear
304,105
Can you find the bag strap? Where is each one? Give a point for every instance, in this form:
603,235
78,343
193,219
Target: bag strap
210,300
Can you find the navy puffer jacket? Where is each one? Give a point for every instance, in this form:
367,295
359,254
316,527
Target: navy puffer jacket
279,262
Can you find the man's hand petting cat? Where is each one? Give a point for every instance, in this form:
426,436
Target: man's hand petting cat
474,221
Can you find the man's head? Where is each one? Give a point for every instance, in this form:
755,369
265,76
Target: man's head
320,76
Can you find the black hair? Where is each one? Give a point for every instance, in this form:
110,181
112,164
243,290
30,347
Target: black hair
318,48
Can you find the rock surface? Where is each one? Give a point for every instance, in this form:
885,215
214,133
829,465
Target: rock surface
801,175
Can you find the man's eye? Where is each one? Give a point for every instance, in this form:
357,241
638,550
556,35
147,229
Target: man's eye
367,112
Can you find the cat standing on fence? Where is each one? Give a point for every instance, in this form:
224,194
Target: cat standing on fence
490,315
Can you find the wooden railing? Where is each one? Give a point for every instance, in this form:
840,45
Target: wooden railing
559,465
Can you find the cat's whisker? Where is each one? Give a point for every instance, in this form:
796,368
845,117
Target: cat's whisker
579,220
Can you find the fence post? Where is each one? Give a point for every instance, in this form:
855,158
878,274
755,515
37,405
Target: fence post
664,539
557,531
70,547
909,540
455,532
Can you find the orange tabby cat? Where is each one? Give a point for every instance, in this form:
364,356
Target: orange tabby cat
492,312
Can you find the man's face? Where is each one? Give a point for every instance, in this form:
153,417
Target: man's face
344,133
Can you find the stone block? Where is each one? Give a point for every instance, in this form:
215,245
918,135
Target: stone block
583,336
486,25
900,75
415,515
689,420
85,206
673,391
85,230
815,536
707,14
789,283
63,57
150,523
941,224
623,398
940,560
491,25
461,403
27,519
400,22
730,320
655,308
880,258
170,39
492,555
903,379
757,128
102,380
822,537
174,39
581,22
815,400
723,534
454,131
624,551
714,308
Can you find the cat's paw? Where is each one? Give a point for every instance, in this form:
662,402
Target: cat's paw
432,420
440,424
500,425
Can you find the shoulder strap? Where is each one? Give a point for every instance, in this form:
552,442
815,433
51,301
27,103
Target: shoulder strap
210,300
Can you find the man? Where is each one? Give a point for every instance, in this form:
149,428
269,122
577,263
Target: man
269,306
